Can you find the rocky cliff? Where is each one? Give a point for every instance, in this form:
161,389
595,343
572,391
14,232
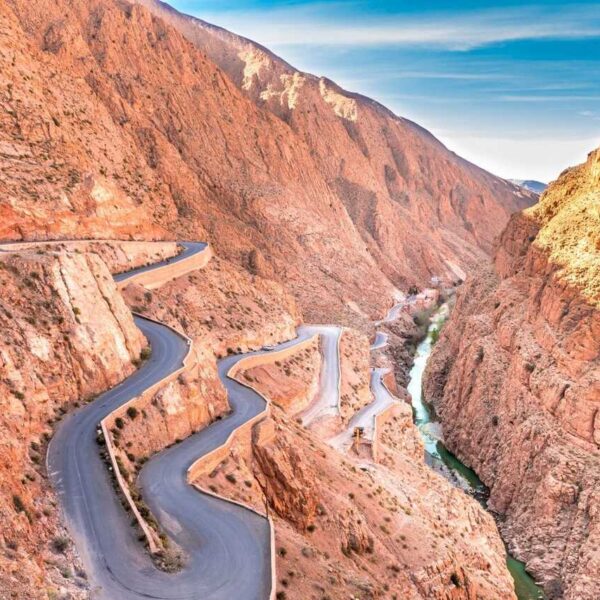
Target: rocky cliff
121,122
515,379
396,181
66,336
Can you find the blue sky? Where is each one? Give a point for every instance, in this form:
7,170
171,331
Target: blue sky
514,87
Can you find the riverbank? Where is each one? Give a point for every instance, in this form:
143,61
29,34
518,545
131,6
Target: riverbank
439,458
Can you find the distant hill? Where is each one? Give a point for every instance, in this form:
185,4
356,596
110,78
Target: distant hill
537,187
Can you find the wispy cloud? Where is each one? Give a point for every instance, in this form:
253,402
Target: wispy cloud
330,25
546,98
591,114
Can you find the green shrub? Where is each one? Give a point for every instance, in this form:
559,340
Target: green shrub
60,544
18,503
132,412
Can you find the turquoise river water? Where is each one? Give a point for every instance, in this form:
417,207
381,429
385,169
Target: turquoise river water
443,461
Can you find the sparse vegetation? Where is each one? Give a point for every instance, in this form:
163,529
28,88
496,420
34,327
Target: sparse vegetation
132,412
18,503
60,544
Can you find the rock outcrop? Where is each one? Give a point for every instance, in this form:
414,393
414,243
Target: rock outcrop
66,336
153,133
291,383
355,392
515,379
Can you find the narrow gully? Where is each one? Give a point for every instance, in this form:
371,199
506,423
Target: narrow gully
440,459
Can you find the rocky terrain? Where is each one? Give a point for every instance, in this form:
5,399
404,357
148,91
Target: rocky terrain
290,383
515,379
66,336
116,125
123,120
354,381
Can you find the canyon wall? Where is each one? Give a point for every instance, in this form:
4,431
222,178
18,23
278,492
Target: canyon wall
66,335
515,379
117,122
419,209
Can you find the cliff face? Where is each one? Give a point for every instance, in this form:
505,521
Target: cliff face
66,336
147,135
419,209
515,379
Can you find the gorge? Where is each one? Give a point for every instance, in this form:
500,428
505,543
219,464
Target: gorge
249,411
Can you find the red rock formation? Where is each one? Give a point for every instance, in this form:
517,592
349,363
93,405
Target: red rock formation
355,390
516,381
415,204
115,125
291,383
66,335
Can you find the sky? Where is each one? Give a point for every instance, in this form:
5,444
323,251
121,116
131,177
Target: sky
512,86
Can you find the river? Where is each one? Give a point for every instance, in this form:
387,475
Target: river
439,458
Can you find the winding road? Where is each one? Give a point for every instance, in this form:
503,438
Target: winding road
189,249
327,401
228,547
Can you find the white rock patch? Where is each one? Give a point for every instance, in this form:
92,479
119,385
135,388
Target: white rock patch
39,346
291,88
254,61
343,107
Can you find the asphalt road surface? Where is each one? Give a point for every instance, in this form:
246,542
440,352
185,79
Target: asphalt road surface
227,546
189,248
327,401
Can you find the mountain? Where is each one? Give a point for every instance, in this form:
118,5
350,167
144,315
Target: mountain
399,184
168,127
519,364
537,187
129,121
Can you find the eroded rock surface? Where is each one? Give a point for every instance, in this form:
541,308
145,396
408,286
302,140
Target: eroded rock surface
515,379
66,335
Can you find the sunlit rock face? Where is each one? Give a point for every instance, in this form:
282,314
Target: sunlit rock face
153,137
516,381
66,335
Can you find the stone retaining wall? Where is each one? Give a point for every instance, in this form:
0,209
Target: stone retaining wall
157,277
